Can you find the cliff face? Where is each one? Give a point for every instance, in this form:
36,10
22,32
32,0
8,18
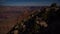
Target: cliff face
10,14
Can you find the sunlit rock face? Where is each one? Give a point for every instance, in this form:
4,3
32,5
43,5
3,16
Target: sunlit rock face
43,23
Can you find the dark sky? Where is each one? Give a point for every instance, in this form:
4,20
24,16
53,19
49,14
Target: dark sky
28,2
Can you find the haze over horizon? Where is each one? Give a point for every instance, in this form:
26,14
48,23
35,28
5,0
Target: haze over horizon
28,2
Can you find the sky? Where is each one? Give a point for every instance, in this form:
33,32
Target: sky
28,2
